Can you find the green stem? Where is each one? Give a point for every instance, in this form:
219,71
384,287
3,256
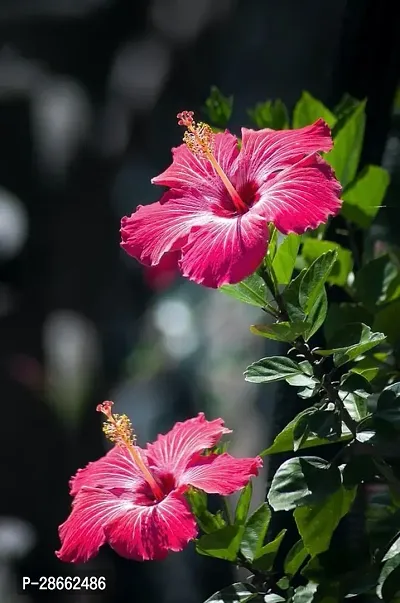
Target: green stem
270,310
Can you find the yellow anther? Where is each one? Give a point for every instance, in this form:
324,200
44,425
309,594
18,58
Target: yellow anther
200,139
118,429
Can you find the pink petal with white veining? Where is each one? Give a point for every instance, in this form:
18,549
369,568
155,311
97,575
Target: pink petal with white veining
162,227
114,470
220,474
174,450
82,534
265,151
190,170
150,532
300,197
226,250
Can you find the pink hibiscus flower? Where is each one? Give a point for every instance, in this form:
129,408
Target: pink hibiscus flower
221,199
134,498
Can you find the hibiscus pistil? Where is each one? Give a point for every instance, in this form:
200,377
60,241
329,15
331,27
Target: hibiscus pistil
199,138
118,429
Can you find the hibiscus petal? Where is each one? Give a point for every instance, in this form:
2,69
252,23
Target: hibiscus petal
82,534
300,197
114,470
190,170
265,151
149,532
173,451
225,251
220,474
159,228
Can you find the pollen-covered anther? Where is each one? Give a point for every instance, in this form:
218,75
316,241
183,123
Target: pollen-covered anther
118,429
199,137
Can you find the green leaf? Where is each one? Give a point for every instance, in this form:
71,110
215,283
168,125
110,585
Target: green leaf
308,109
317,522
343,314
372,281
387,321
223,544
240,592
376,431
280,331
314,280
348,141
301,430
382,523
326,592
284,440
302,481
207,521
364,196
251,290
295,558
266,556
389,580
314,248
283,583
317,315
345,106
368,367
255,532
277,368
305,594
243,504
273,598
393,550
354,391
290,296
285,257
325,424
393,291
359,469
271,114
351,341
219,108
388,405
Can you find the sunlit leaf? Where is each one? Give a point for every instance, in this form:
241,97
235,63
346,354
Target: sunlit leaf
255,532
251,290
364,196
285,258
270,114
348,142
218,108
308,109
314,248
223,544
277,368
351,341
317,522
302,481
284,441
295,558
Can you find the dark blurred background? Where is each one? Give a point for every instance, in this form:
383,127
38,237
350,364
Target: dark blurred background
89,91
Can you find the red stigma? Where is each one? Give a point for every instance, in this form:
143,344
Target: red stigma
105,408
185,118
